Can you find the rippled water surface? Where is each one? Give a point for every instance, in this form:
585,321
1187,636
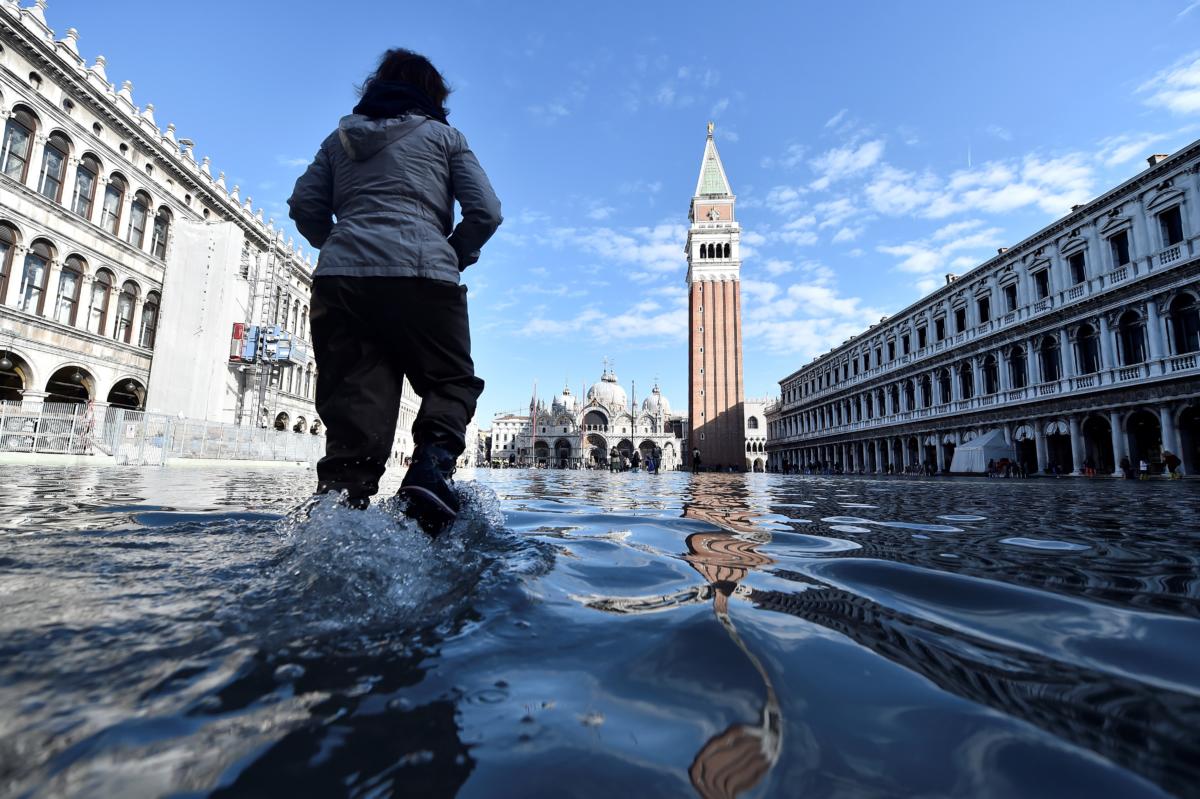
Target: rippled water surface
176,632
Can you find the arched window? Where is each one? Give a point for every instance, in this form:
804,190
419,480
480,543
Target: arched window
98,302
1087,344
54,166
86,175
1184,316
70,281
295,316
728,249
304,322
149,321
926,391
1048,352
114,198
910,400
139,215
991,375
32,298
18,142
712,251
126,302
162,229
1018,376
1131,333
966,381
279,304
8,246
307,381
944,385
703,251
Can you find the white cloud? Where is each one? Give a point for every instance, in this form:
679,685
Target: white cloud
846,234
719,107
1053,185
953,241
834,212
549,113
1002,133
836,118
784,199
792,156
1176,88
776,267
601,212
292,162
1116,150
843,162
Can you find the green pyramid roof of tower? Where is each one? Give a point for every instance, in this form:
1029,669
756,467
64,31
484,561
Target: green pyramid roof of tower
712,173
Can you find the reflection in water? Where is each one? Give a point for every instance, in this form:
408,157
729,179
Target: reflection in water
169,632
738,758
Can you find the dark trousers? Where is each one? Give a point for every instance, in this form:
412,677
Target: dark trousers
369,333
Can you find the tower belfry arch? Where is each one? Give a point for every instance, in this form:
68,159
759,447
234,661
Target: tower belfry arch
716,398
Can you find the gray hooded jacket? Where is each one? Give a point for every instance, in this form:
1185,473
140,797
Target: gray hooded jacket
391,184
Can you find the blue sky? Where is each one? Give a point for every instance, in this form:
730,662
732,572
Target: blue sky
871,150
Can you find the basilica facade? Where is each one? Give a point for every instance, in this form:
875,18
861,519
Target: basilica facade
608,423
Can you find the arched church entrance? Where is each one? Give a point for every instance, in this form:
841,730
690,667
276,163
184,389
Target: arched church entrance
948,446
562,453
1097,444
595,420
282,421
541,452
597,449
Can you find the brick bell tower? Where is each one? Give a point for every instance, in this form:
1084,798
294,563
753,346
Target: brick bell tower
716,402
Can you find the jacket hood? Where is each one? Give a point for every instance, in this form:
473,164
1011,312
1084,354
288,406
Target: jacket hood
362,136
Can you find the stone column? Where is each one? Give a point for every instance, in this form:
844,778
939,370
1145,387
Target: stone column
110,323
1170,440
941,454
1002,372
1154,330
904,455
1119,443
50,294
1031,375
136,325
1106,345
68,189
977,381
1066,354
14,275
1077,449
1039,440
878,456
1142,245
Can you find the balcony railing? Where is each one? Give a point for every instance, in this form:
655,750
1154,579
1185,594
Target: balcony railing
1170,255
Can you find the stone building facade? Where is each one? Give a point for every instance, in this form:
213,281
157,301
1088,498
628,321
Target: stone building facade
124,262
715,393
1071,351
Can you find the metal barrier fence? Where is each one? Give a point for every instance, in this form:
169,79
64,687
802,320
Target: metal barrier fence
147,439
58,427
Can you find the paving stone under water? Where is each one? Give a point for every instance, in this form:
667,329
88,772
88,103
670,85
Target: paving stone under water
587,634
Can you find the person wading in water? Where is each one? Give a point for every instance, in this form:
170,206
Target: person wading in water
378,202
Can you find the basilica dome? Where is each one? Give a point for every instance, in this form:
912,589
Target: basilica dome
656,403
608,392
564,402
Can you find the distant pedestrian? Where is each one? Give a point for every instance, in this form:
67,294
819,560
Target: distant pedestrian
1172,463
1126,467
695,461
1143,470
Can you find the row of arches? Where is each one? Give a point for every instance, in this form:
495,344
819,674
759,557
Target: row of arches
77,184
1099,442
716,250
67,384
283,422
72,293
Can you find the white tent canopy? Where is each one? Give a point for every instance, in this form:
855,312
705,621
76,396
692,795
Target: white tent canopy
973,456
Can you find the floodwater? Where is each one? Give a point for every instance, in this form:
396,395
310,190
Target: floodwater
174,632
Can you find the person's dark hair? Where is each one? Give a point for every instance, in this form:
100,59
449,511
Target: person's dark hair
406,66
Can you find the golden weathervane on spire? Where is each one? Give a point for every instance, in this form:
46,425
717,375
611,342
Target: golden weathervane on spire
710,129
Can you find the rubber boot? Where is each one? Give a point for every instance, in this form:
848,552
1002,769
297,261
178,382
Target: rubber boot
432,501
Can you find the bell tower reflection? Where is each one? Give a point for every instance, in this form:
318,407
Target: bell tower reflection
739,758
